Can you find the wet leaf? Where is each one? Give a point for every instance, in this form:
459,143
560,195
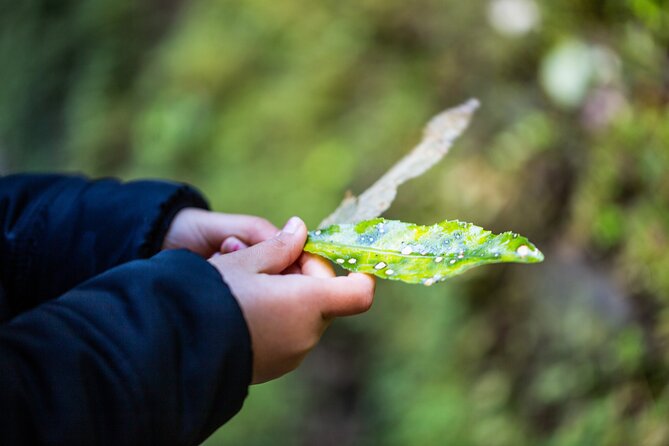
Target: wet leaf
412,253
439,135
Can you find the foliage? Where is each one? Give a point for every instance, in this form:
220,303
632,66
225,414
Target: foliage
275,108
395,250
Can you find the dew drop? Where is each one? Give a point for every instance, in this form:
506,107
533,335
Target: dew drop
523,250
352,261
390,272
438,259
340,261
380,265
407,250
461,256
428,282
452,262
318,232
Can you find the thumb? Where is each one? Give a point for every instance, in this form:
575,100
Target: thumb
277,253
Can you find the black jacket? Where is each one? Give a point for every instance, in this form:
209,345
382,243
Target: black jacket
102,340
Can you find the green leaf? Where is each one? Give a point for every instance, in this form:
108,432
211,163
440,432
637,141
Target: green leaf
392,249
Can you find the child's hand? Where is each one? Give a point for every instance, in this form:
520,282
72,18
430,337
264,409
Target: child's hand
288,313
204,232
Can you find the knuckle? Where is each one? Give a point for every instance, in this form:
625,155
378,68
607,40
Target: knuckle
278,245
256,221
261,224
264,222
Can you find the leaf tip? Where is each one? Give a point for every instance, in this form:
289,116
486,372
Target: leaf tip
528,253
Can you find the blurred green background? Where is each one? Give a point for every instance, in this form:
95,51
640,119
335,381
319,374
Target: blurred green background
276,108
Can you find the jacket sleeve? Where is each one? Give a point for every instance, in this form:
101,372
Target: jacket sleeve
58,231
152,352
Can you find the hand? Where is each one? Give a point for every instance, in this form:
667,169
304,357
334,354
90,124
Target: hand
205,232
287,314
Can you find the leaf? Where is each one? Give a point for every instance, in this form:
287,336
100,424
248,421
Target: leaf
438,137
392,249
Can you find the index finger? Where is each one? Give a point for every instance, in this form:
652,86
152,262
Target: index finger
336,296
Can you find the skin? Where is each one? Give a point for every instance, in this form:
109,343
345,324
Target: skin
288,297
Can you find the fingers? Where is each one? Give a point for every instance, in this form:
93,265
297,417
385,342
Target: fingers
276,253
348,295
232,244
246,228
292,269
315,266
336,296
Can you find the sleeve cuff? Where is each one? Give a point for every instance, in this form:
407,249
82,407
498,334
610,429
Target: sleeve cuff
182,197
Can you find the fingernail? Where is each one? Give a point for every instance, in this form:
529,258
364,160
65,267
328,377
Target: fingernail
232,244
292,225
233,247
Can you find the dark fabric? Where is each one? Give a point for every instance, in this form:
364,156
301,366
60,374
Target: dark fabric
154,351
151,352
58,231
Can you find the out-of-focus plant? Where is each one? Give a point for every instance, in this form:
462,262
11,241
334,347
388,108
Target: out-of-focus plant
275,108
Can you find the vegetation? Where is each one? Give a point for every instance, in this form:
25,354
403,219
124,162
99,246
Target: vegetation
276,108
391,249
